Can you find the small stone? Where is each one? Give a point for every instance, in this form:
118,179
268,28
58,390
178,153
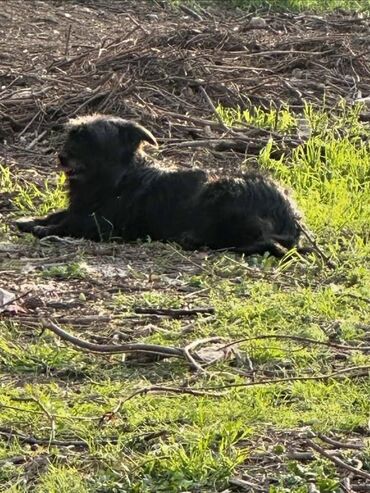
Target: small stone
364,101
257,23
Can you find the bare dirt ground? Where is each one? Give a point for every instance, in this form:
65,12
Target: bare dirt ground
167,68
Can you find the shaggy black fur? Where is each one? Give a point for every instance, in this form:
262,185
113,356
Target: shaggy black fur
116,193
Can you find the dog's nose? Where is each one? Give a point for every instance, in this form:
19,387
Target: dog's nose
62,160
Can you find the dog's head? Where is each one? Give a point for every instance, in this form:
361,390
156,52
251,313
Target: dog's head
100,145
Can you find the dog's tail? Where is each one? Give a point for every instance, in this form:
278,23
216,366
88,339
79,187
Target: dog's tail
274,246
276,243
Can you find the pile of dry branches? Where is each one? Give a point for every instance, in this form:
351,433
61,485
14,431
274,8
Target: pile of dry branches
169,68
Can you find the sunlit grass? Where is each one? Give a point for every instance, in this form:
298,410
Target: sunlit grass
31,199
298,5
277,119
292,5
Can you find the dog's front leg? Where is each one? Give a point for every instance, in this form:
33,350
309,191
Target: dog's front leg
89,226
27,225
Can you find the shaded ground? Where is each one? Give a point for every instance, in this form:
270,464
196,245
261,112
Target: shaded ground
167,68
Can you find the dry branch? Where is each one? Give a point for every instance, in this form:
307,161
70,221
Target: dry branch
9,434
163,351
112,348
175,312
339,462
171,71
338,444
316,247
303,340
162,389
351,372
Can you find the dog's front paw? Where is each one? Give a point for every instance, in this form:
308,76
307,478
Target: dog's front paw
41,231
26,224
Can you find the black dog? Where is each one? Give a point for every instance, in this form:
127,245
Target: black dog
115,192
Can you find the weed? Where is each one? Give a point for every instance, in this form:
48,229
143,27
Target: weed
292,5
74,270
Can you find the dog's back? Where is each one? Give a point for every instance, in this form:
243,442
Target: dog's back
251,214
158,203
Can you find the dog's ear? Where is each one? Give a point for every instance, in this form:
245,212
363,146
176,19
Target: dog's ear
133,134
74,130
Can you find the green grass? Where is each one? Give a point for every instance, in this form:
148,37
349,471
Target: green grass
51,391
292,5
299,5
74,270
29,198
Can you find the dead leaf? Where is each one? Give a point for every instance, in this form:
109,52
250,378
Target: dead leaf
7,305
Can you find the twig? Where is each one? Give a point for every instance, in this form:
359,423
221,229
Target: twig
29,124
239,143
213,108
194,345
200,342
281,52
9,433
356,297
338,444
86,320
32,144
352,372
176,312
191,12
41,413
361,488
158,389
112,348
138,24
245,485
315,246
299,339
68,37
192,361
16,298
338,462
14,81
346,485
49,415
163,351
197,143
